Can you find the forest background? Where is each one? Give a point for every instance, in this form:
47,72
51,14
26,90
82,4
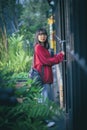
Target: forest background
19,20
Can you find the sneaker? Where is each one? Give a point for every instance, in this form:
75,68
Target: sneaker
50,124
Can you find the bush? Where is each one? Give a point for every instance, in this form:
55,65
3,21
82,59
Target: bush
29,114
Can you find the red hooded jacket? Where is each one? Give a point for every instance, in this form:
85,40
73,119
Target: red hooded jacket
42,58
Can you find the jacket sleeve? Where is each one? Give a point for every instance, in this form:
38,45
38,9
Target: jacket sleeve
45,58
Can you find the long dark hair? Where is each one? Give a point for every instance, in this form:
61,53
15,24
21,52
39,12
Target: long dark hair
42,30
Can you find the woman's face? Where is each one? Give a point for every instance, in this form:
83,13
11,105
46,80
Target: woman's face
42,37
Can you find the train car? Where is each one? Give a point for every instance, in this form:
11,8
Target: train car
70,31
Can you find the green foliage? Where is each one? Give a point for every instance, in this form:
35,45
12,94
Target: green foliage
6,79
17,60
27,115
30,113
16,52
10,10
15,45
33,17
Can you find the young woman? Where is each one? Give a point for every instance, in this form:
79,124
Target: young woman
43,61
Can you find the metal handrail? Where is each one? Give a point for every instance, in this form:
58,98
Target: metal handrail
75,56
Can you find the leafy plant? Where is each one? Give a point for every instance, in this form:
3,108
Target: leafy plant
26,115
30,114
17,59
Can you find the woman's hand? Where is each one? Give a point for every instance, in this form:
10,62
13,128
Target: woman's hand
60,56
62,52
